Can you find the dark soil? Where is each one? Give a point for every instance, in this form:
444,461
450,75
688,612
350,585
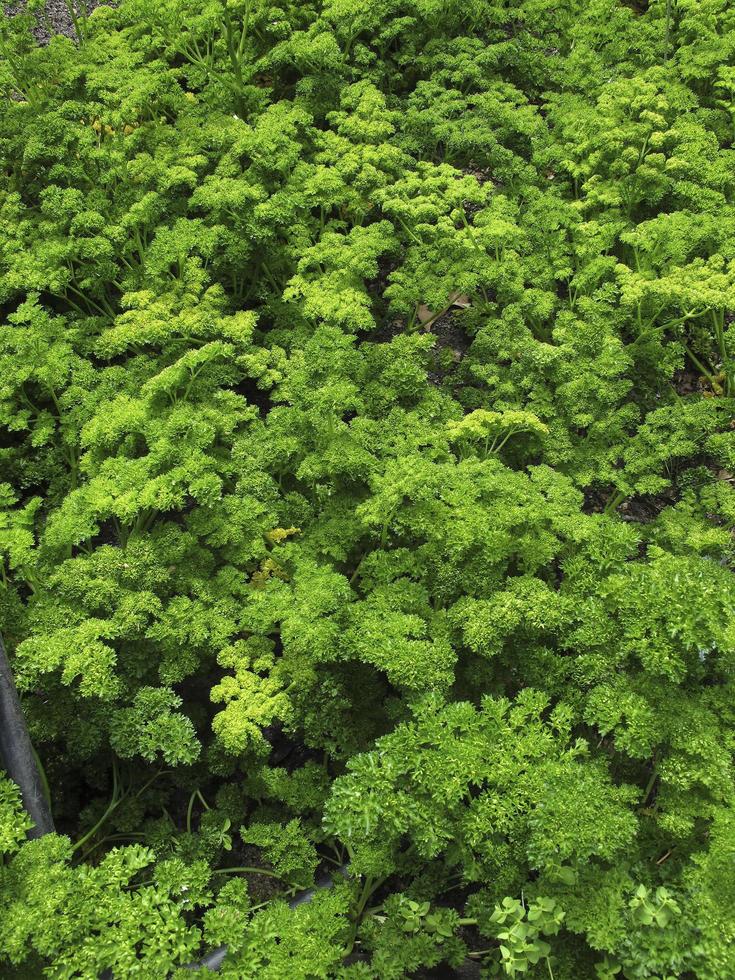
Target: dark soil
261,888
452,343
689,382
641,509
645,509
469,970
58,19
481,174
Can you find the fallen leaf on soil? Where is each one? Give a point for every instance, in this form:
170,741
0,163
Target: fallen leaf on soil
461,300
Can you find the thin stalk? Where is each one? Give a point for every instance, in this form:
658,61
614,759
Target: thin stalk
370,886
649,785
235,51
353,577
408,231
513,432
326,857
92,303
288,893
246,870
698,364
42,774
718,322
384,529
614,502
115,801
194,795
77,21
104,840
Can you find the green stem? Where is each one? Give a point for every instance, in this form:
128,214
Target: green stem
614,502
334,861
369,888
287,894
384,529
76,21
194,795
115,801
698,364
649,785
42,774
513,432
353,577
247,871
109,837
408,231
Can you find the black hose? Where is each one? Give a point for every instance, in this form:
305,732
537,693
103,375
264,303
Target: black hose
213,961
16,752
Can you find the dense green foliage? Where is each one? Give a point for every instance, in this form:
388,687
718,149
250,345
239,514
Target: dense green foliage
367,377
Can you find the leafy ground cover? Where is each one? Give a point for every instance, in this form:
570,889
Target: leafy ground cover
367,377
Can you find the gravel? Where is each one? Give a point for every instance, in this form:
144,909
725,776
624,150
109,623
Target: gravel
57,17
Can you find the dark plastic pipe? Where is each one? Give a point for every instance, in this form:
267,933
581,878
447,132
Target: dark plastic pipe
16,752
214,960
